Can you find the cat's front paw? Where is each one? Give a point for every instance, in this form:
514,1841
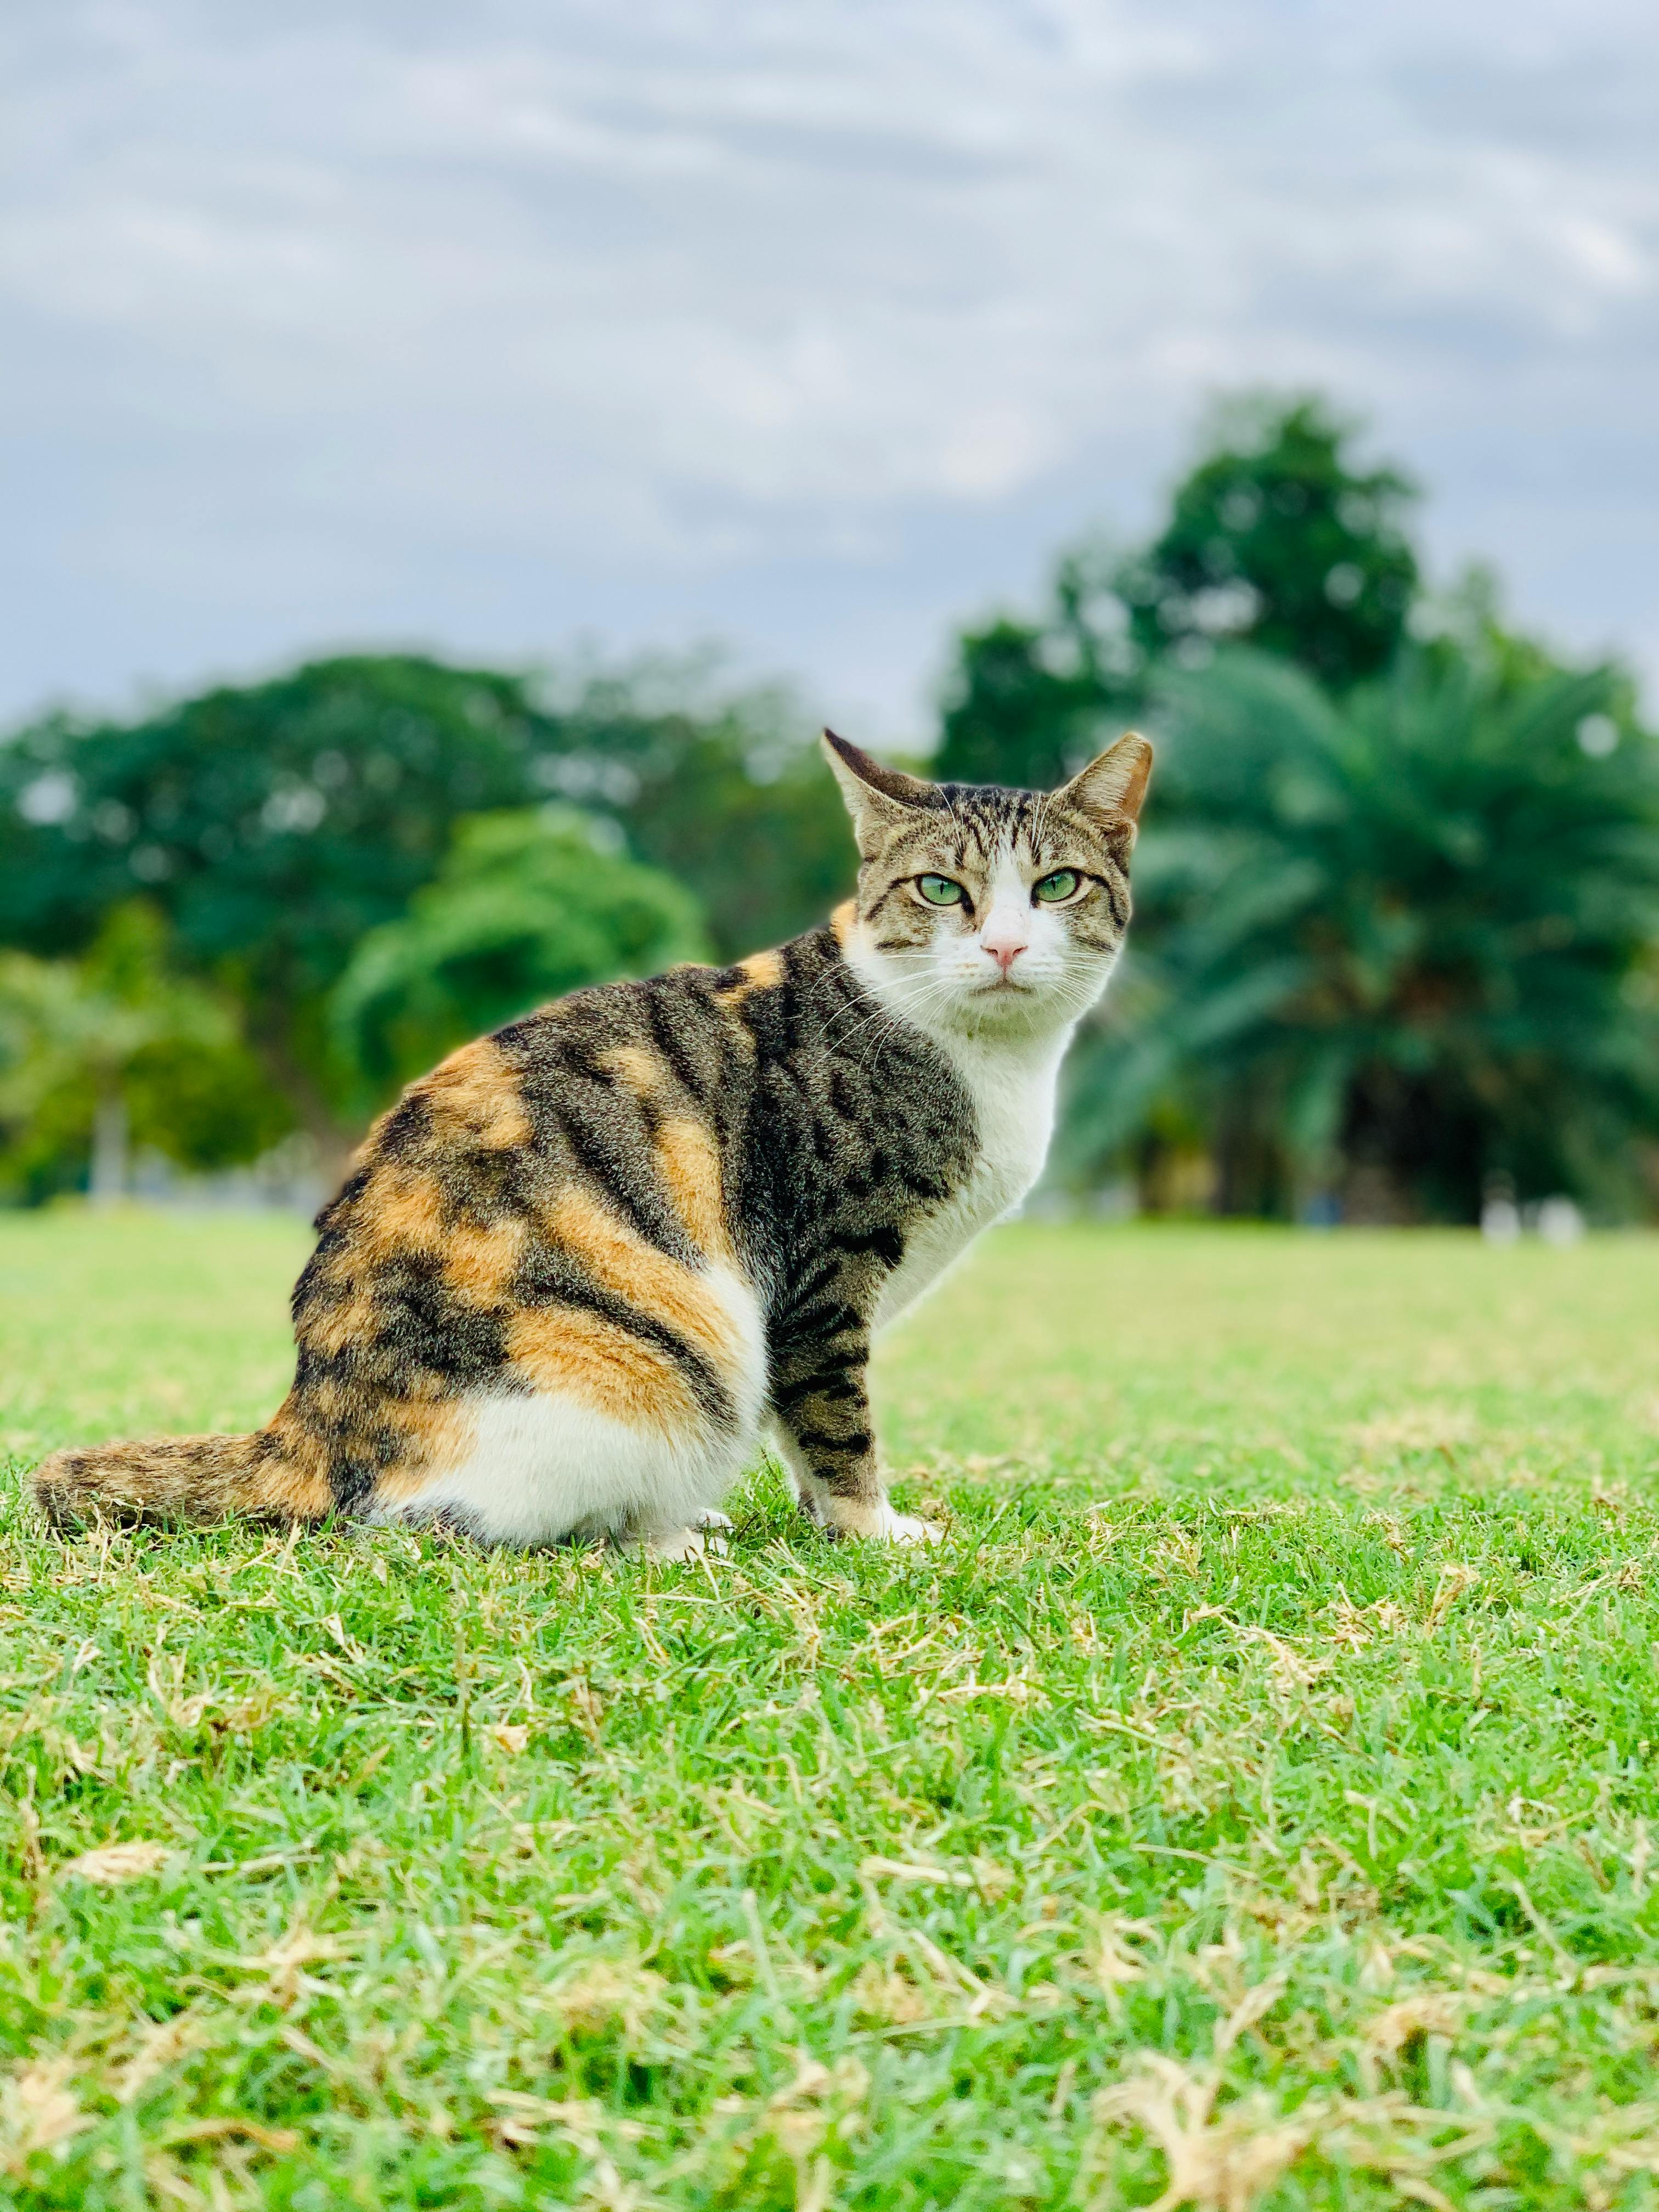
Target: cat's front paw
905,1528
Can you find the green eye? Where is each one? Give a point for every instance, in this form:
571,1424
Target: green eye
1051,889
939,891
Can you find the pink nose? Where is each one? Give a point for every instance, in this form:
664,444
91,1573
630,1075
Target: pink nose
1005,951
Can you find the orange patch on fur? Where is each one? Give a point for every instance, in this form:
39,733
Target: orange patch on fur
331,1327
563,1348
295,1486
437,1437
400,1210
432,1428
475,1087
760,971
637,1271
302,1448
764,969
481,1262
691,1169
639,1068
842,919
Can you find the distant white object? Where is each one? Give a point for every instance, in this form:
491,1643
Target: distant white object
1500,1221
1598,736
1560,1221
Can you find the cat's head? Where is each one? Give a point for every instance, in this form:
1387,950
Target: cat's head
984,909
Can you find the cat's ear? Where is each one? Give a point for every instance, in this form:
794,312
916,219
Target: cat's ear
1113,786
878,798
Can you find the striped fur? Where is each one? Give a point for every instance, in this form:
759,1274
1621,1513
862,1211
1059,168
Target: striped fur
576,1271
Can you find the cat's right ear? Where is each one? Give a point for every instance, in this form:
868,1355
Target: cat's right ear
1112,788
878,798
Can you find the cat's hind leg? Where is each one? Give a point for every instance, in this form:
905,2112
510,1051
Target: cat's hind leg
542,1468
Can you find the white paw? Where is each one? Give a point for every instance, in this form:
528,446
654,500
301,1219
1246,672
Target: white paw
711,1519
905,1528
682,1544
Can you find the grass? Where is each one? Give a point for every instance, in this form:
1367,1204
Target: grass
1252,1801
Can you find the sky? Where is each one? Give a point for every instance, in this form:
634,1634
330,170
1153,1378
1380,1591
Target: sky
814,327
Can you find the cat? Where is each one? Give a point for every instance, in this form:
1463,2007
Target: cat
574,1272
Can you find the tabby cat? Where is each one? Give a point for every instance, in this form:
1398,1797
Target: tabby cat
573,1275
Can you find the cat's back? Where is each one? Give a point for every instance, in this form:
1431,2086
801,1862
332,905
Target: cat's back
618,1101
637,1134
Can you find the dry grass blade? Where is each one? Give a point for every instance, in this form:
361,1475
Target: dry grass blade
111,1863
877,1868
1216,2163
1433,2012
37,2113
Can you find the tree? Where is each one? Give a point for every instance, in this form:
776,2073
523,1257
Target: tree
1394,946
117,1048
273,825
527,907
1028,704
1276,539
276,824
727,793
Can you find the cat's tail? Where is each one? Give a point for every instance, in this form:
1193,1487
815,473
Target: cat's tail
201,1478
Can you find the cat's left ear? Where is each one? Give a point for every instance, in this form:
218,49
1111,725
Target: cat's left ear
878,798
1113,786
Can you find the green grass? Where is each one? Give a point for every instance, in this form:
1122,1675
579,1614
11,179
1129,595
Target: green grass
1254,1797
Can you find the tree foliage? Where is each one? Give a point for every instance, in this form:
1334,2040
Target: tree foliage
1396,924
1396,881
1278,540
119,1038
1028,704
1396,944
729,795
527,907
276,825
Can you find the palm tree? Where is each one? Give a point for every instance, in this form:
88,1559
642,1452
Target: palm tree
1392,946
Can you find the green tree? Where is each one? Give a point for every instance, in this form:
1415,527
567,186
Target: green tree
728,795
276,824
526,907
1393,945
114,1049
1276,539
1028,704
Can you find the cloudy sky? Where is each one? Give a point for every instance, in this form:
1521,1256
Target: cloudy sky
813,326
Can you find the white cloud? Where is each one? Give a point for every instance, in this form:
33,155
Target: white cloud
383,319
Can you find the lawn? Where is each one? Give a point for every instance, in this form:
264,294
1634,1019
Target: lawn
1252,1799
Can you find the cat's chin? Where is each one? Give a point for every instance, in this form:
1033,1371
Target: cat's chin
1010,1009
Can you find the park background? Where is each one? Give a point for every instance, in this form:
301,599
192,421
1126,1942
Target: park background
455,469
1396,957
1250,1804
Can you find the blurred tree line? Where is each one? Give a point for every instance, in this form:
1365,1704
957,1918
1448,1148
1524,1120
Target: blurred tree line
1399,891
345,871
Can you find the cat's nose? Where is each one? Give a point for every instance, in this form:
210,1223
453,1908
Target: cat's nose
1004,946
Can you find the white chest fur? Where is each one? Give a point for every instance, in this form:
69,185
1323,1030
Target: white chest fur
1011,1084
